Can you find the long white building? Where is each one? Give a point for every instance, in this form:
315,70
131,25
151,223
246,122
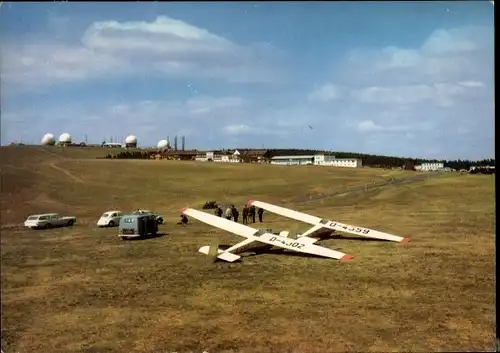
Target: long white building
318,159
329,160
293,160
430,167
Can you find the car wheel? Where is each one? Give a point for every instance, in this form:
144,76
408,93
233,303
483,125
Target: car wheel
160,220
111,224
48,225
70,223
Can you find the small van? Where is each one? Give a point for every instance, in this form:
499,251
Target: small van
137,225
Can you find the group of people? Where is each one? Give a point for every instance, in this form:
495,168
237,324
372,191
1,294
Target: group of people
248,213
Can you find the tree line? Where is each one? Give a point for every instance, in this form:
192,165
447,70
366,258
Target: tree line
131,155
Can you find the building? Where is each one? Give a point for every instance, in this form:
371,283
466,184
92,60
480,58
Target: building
346,163
293,160
219,156
201,157
323,159
431,166
254,156
331,161
318,159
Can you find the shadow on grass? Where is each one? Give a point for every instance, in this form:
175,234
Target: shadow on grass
276,251
147,237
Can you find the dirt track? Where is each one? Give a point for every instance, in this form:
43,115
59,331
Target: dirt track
67,172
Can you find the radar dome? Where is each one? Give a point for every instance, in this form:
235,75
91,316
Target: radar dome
131,139
48,139
65,138
162,144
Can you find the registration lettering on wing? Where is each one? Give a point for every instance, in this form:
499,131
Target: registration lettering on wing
348,228
290,243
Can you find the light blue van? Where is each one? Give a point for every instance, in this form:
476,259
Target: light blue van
137,225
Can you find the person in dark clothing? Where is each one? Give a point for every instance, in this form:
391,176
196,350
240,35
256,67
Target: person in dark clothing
245,214
184,220
251,213
218,211
260,212
235,214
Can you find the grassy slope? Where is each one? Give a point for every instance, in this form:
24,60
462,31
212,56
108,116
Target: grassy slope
75,289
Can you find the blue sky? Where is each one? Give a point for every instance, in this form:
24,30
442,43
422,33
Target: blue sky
402,79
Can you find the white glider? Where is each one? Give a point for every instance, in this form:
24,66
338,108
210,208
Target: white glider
255,237
321,225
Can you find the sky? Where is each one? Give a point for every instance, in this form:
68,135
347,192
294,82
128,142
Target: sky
402,79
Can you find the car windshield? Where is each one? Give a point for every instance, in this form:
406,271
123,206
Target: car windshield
32,218
105,215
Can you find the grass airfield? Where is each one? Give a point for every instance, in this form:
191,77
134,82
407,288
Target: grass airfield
82,289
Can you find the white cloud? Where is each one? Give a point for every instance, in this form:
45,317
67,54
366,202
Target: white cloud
237,129
203,104
446,55
45,63
471,84
439,94
165,46
453,41
252,130
368,126
325,93
444,88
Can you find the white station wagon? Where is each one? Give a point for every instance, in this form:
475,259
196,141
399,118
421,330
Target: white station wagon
110,219
48,220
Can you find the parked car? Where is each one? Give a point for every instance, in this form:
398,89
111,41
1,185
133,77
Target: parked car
49,220
110,219
159,219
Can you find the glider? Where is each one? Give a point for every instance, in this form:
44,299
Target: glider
323,226
258,238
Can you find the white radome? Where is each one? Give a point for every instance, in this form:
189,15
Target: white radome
131,139
48,139
162,144
65,138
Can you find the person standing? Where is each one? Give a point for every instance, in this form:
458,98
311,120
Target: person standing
245,214
229,213
235,214
251,213
218,211
260,212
